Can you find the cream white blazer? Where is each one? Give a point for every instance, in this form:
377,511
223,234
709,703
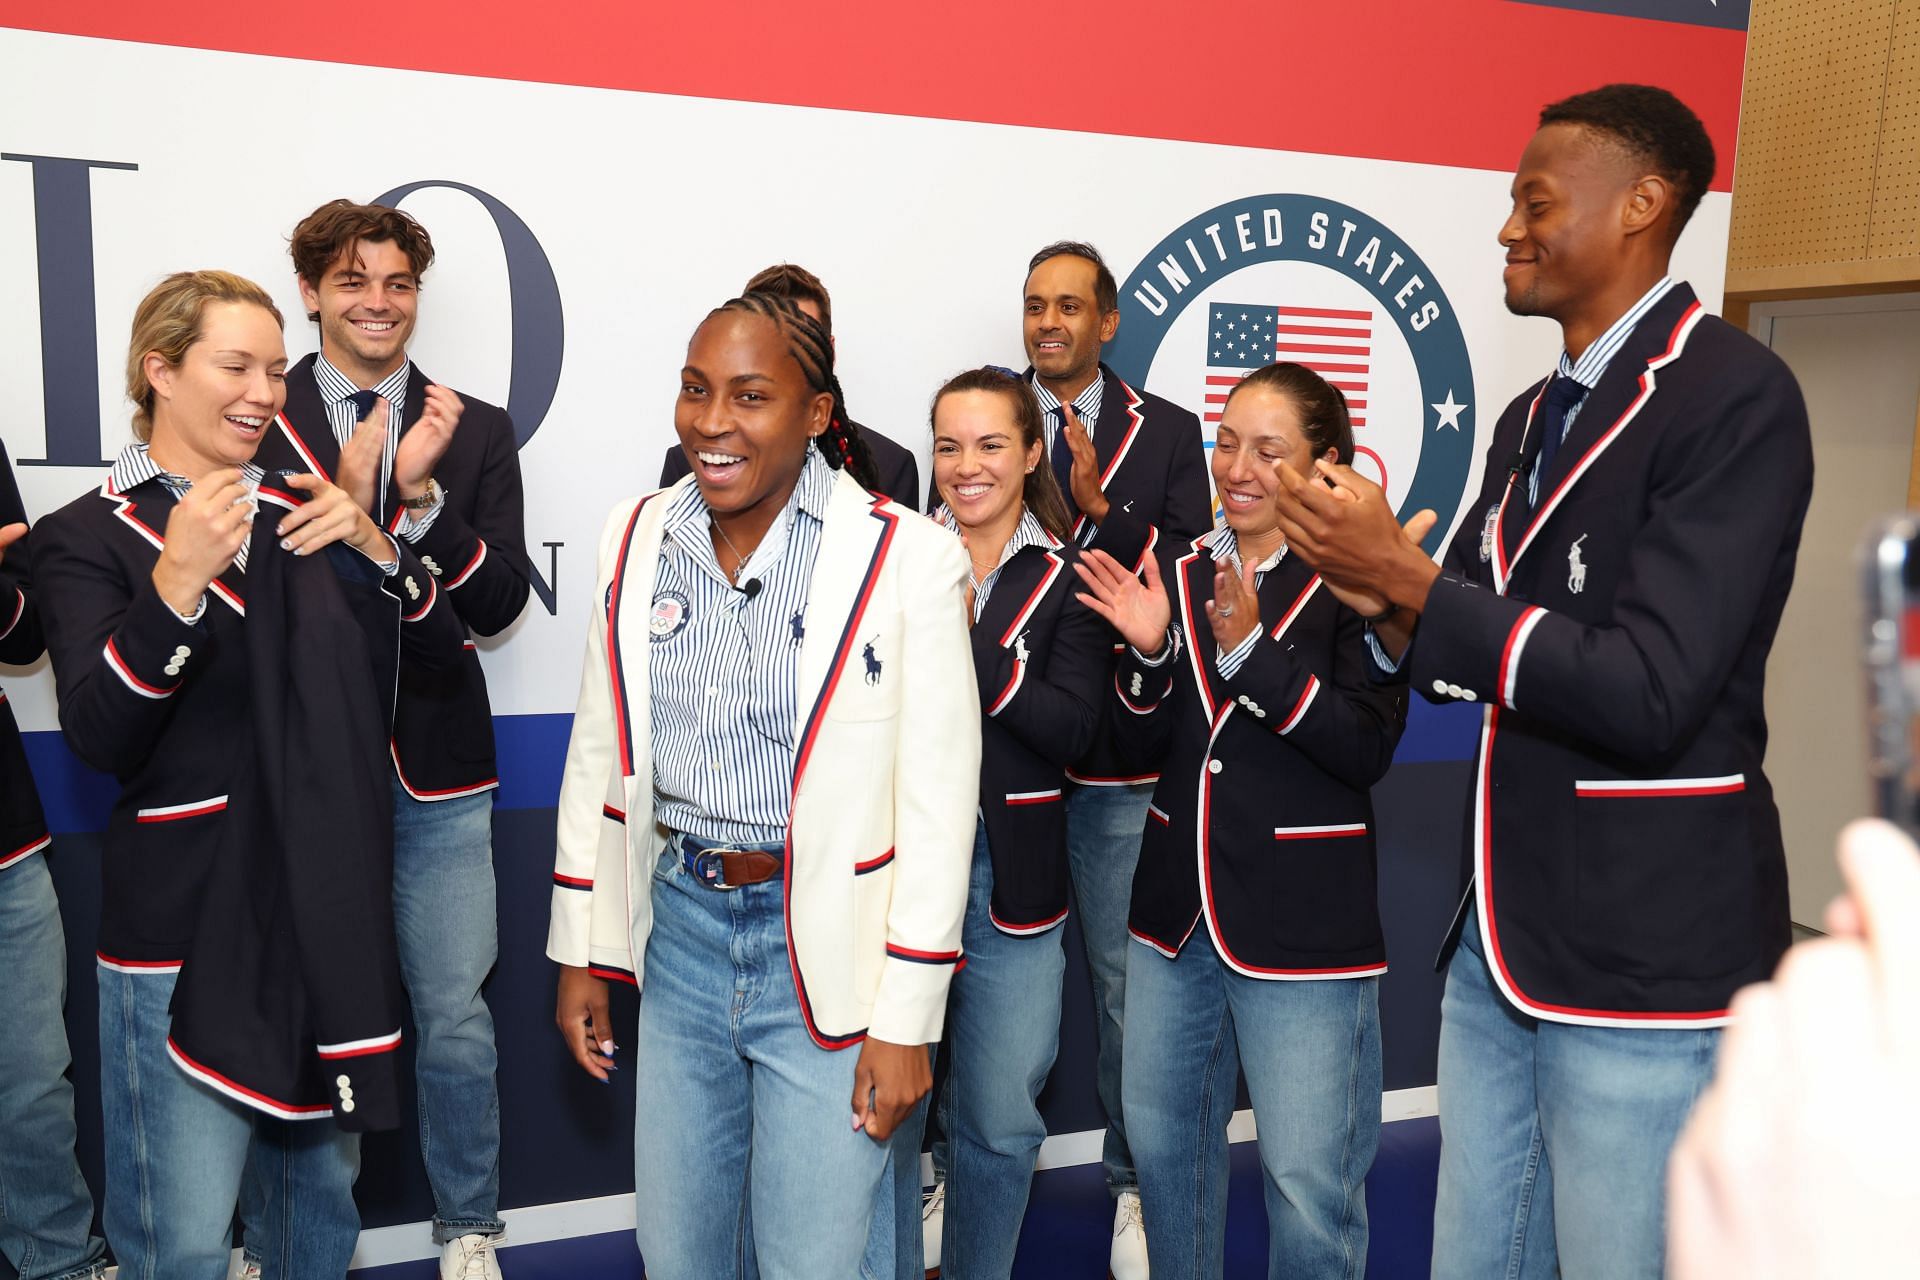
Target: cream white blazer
886,775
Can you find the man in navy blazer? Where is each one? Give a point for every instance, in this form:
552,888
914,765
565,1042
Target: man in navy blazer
1608,604
449,487
1134,472
899,472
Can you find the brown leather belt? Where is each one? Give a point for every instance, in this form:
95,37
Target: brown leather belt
727,867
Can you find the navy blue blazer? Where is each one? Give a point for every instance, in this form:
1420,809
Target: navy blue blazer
476,551
164,704
1262,821
1153,471
1624,842
23,827
1042,660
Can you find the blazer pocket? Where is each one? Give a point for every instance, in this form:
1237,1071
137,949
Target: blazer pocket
870,678
1664,875
1324,890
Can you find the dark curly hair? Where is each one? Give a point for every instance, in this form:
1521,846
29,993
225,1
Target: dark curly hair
1652,125
337,227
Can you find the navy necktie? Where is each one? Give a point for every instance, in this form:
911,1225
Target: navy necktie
1563,395
362,404
1062,458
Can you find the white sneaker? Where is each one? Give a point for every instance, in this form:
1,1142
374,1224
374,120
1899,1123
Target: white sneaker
933,1218
470,1258
1128,1258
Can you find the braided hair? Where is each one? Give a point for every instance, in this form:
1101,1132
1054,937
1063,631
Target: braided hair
810,345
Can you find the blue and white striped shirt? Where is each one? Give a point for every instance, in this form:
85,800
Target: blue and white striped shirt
1028,533
723,667
1086,406
1592,366
337,390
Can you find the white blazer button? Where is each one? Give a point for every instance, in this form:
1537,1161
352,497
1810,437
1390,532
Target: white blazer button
346,1093
1439,686
346,1104
181,651
1469,695
173,668
343,1081
1213,766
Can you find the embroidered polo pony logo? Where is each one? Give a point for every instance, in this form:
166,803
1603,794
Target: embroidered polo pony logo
1576,567
873,663
798,624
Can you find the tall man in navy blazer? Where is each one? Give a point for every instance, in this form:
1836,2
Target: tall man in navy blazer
450,487
1608,604
1135,475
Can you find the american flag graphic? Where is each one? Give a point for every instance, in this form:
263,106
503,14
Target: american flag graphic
1337,345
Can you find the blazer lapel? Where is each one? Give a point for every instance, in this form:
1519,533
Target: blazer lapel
854,540
628,647
304,421
1021,584
1631,380
1196,588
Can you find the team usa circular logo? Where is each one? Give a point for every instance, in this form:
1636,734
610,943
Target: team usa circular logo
1317,282
670,612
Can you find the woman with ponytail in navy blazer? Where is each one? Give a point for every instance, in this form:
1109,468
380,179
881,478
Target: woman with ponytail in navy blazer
1041,661
1254,905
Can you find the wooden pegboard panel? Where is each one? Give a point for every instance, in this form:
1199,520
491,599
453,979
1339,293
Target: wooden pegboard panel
1809,131
1895,228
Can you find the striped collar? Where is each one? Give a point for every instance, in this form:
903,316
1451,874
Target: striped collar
1086,405
1593,362
135,467
335,386
1224,544
1028,533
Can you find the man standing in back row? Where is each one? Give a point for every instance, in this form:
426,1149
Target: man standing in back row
450,486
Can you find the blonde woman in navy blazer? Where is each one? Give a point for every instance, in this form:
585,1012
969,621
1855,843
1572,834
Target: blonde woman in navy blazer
1254,906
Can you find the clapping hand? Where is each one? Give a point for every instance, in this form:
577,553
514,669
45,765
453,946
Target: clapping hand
1138,610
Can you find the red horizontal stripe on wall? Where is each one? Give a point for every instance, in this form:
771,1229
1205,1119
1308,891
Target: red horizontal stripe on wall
1455,82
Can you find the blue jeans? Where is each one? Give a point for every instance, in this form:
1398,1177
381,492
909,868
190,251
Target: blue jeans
1003,1029
1554,1138
1311,1054
742,1122
1104,826
176,1151
444,922
443,913
46,1211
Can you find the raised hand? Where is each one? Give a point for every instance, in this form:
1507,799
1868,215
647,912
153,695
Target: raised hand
10,534
1348,533
426,442
205,531
1085,480
1234,610
360,457
1139,611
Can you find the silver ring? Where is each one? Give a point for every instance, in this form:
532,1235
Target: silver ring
1224,610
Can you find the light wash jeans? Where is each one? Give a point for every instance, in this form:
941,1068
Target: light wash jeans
1003,1029
743,1142
176,1151
443,913
1311,1054
46,1211
1554,1138
1104,827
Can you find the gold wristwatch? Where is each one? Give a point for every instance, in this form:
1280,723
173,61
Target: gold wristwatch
426,501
